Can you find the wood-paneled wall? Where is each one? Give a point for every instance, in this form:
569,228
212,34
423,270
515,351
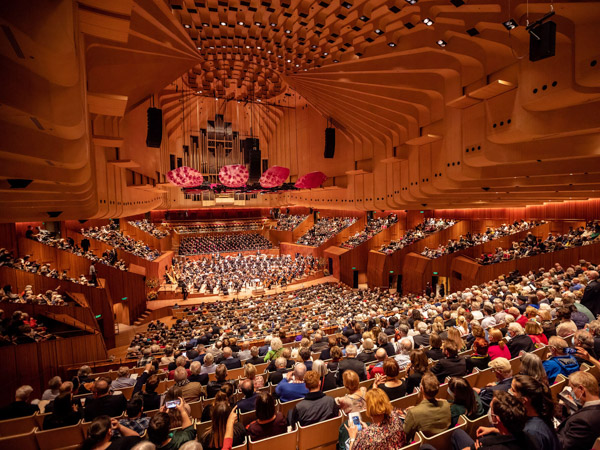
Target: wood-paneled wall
34,364
121,284
467,272
210,213
99,299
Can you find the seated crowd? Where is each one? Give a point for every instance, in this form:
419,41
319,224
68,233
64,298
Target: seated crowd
288,222
421,231
532,245
325,229
27,265
149,228
373,227
21,329
470,240
222,227
407,345
234,273
28,297
111,235
217,243
108,258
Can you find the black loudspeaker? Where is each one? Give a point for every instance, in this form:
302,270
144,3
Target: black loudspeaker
542,41
329,142
154,135
253,158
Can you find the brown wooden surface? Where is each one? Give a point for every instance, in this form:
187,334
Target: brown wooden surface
34,364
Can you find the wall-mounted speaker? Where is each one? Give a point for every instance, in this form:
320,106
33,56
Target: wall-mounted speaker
154,134
329,142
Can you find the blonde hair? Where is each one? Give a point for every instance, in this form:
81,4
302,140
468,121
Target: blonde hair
351,380
276,344
496,336
249,371
454,336
378,403
586,380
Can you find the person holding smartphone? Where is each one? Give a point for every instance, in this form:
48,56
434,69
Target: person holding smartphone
387,430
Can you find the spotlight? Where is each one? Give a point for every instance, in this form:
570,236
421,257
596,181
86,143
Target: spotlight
379,31
442,43
427,21
510,24
289,60
223,24
457,3
391,44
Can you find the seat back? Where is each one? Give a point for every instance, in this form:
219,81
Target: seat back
242,446
59,437
285,407
472,425
285,441
20,425
202,427
24,441
247,417
415,445
559,384
320,435
338,392
39,419
515,364
127,392
406,401
442,440
485,376
196,409
596,444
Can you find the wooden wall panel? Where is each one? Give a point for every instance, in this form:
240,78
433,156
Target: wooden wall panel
163,244
415,269
209,214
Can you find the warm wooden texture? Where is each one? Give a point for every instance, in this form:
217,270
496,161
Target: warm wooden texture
34,364
209,214
120,284
99,299
466,272
379,275
335,254
414,273
83,315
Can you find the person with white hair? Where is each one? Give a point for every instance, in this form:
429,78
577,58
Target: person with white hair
351,363
21,407
519,341
123,379
421,339
403,358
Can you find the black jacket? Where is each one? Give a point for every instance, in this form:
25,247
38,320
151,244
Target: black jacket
277,376
111,405
591,297
487,394
518,343
435,354
581,429
421,340
232,363
316,407
351,364
450,367
366,356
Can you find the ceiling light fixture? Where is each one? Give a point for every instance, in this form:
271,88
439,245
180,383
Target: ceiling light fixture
427,21
204,24
258,24
378,31
442,43
223,24
187,26
288,31
391,44
241,23
510,24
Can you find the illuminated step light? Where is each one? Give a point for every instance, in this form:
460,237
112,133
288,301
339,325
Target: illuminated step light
510,24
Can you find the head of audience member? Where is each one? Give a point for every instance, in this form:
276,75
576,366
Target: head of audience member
180,375
406,346
351,381
336,353
195,367
501,367
312,380
320,367
507,413
265,406
584,386
531,365
101,387
135,407
435,341
418,361
219,415
430,387
379,407
123,372
227,353
221,373
536,397
152,384
159,428
480,347
450,349
280,363
462,394
351,351
63,404
391,369
247,388
99,433
380,354
304,354
299,372
557,346
209,359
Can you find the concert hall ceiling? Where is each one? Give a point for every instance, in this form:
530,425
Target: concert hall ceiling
436,104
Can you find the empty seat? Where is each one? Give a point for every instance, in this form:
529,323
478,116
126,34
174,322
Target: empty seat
282,441
323,434
59,437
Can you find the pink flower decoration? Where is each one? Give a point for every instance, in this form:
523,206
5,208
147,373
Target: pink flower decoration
185,177
234,175
274,176
311,180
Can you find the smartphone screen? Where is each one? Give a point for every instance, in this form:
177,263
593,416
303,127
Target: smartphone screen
172,404
356,421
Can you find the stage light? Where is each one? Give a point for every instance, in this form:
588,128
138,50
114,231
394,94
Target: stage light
510,24
442,43
427,21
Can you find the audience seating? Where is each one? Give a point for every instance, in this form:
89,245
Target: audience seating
24,441
559,384
242,446
320,435
12,427
472,425
442,440
415,444
59,438
246,418
282,441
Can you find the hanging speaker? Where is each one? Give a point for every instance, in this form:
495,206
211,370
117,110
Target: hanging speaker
154,135
542,41
329,142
